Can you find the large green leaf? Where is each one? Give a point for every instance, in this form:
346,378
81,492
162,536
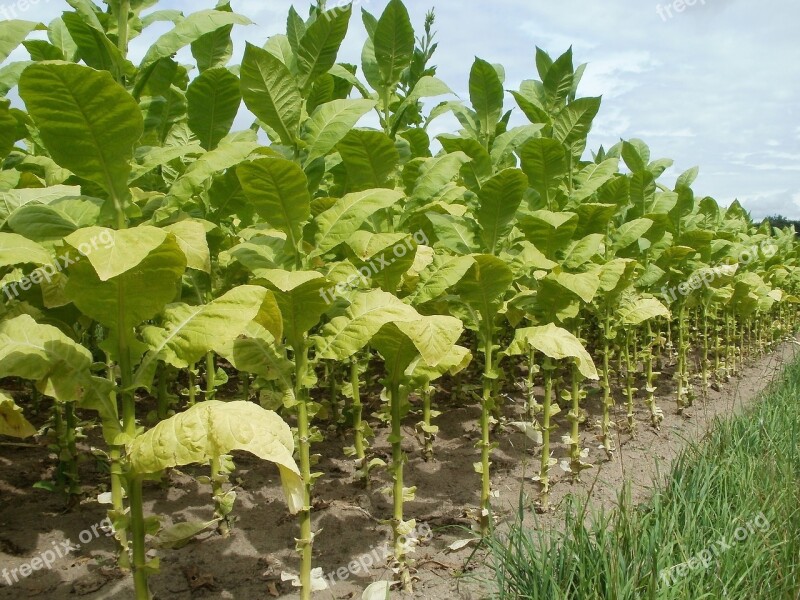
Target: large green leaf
348,214
436,172
42,353
88,122
18,250
630,232
12,32
369,157
555,342
212,429
433,338
278,189
258,353
271,92
129,282
10,74
509,142
487,280
301,298
455,361
544,162
572,125
369,311
230,152
549,231
47,223
191,237
456,234
94,47
583,250
213,49
12,421
394,42
584,285
319,45
8,125
187,332
486,94
330,123
499,198
112,253
441,275
642,309
213,99
189,30
592,178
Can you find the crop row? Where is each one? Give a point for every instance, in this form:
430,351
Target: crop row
146,248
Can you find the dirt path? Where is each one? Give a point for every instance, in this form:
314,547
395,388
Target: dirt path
248,565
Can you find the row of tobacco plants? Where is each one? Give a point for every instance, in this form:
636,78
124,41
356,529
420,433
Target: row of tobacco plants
147,249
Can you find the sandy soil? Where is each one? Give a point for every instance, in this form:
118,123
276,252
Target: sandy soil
248,564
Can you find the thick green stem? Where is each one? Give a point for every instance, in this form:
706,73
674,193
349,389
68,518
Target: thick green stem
398,459
139,562
544,473
629,381
192,386
218,481
683,350
427,435
162,393
359,443
485,443
211,376
70,451
305,543
118,503
656,414
705,352
123,10
608,400
574,418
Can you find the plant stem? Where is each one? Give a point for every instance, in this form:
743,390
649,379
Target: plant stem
428,437
629,380
211,378
398,459
140,574
608,400
544,474
306,541
485,444
218,479
358,422
574,418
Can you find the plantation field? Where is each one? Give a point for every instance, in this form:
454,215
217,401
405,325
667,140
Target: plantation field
328,353
248,565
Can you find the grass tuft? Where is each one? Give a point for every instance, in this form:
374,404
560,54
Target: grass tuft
726,524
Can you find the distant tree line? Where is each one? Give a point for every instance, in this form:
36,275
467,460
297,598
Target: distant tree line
780,222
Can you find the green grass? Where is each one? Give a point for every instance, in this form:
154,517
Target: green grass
746,472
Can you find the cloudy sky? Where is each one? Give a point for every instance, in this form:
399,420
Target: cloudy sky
715,84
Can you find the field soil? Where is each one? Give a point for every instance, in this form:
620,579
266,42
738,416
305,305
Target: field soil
248,564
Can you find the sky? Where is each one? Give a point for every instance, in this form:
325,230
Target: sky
713,84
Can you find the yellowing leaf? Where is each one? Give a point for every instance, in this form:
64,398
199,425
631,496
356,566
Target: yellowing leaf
212,429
